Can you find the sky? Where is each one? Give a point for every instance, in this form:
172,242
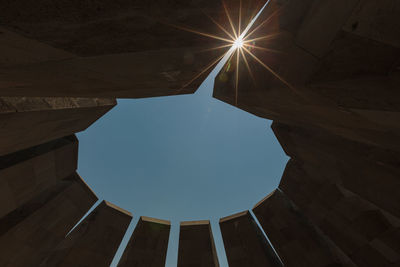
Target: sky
179,158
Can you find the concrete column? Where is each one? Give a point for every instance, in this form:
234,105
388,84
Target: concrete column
94,241
296,240
27,173
26,122
363,231
29,233
245,244
148,244
196,245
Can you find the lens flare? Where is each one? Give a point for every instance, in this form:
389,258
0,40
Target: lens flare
239,42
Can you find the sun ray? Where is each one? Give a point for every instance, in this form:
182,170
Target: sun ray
239,45
216,48
263,48
270,70
201,33
240,18
221,27
247,66
265,37
264,22
230,19
203,71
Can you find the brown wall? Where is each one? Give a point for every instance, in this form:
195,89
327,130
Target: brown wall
245,244
97,55
29,233
196,245
368,171
297,241
321,73
148,244
27,122
363,231
94,241
27,173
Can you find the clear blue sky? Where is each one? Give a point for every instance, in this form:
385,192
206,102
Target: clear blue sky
180,158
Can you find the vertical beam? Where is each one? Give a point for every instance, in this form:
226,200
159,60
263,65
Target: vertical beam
148,244
297,242
196,245
244,242
27,173
94,241
26,122
28,234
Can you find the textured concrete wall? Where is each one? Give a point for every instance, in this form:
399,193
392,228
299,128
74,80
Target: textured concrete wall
160,58
27,173
245,244
29,233
368,171
330,80
26,122
296,240
360,229
196,245
148,244
94,241
322,73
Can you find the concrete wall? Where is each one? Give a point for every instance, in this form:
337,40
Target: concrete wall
329,78
297,241
196,245
94,241
29,233
93,53
26,122
27,173
319,72
366,170
148,244
245,244
363,231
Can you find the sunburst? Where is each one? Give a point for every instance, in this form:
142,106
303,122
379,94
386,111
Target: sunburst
240,44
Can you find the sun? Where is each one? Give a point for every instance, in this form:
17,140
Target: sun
239,42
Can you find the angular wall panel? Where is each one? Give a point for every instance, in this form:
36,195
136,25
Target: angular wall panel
163,57
245,244
368,171
351,222
296,240
94,241
196,245
314,73
26,122
148,244
27,173
28,234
